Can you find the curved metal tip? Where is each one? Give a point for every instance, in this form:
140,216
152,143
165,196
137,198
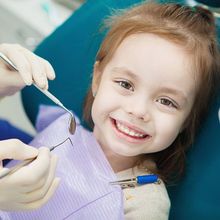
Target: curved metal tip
72,125
72,122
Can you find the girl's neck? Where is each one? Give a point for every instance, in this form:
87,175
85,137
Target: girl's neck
118,162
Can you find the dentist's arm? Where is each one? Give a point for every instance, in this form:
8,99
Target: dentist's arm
32,69
31,186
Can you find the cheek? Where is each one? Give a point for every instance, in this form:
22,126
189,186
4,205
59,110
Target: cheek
168,129
106,99
95,110
102,106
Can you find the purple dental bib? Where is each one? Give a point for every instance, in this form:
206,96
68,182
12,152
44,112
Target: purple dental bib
84,191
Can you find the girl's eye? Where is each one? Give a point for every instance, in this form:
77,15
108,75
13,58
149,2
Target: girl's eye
125,85
167,102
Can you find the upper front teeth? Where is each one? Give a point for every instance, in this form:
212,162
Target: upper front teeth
127,130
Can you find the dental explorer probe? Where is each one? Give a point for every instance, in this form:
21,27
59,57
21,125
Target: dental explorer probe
72,123
7,171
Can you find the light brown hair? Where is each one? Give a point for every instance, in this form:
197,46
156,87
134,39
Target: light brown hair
194,30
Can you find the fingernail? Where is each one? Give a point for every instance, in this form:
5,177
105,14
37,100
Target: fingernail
32,152
52,75
42,84
28,82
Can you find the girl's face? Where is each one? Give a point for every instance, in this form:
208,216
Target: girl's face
144,96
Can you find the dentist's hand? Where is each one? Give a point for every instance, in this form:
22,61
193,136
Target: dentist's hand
31,186
32,69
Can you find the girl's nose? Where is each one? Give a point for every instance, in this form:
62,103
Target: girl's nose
143,117
139,110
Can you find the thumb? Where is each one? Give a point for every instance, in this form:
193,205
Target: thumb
15,149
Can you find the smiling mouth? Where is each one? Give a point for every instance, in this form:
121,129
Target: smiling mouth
128,131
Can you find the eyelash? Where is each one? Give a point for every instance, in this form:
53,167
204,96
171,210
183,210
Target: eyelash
124,84
170,104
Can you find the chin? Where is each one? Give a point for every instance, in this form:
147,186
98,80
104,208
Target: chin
125,153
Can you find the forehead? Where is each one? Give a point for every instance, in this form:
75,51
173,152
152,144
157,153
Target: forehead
152,49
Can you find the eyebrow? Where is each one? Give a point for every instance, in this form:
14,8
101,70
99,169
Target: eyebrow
170,90
174,91
125,71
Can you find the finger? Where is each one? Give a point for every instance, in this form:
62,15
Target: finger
27,189
3,171
48,69
41,192
15,149
12,206
37,69
21,63
36,170
39,203
38,190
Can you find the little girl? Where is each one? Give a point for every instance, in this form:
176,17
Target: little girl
154,77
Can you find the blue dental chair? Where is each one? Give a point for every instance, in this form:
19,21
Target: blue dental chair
71,49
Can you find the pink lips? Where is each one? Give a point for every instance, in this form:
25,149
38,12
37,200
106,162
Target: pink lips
128,137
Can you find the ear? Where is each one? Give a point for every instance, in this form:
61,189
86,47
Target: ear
96,78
